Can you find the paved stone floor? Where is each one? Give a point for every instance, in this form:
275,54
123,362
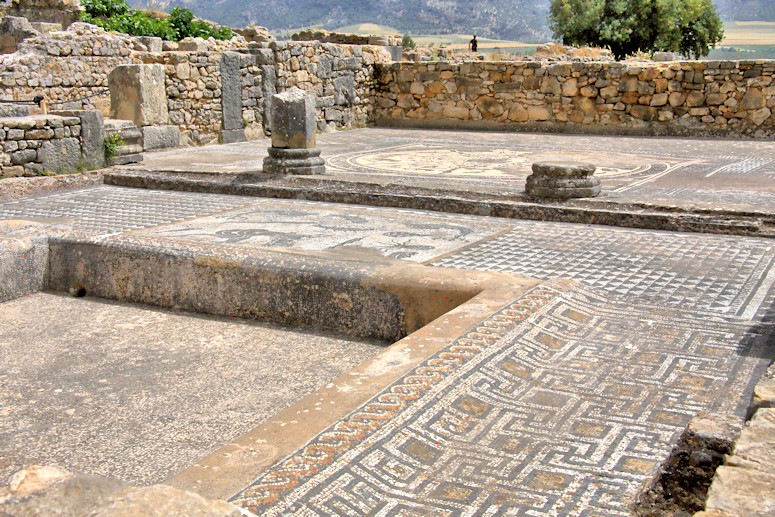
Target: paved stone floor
563,403
705,173
139,393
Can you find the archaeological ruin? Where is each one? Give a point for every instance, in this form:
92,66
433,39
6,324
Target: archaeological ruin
328,276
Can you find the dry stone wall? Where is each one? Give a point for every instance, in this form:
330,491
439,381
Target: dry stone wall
727,98
66,65
34,145
340,76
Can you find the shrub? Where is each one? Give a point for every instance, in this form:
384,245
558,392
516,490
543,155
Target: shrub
115,15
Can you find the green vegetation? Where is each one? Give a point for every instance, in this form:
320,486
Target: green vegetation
408,42
116,15
691,27
112,142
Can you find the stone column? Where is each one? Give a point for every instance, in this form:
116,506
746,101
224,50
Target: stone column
293,148
562,179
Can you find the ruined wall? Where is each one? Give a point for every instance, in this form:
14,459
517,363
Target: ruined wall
63,12
340,76
30,146
727,98
66,65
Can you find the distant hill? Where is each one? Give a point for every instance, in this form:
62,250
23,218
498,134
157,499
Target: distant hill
521,20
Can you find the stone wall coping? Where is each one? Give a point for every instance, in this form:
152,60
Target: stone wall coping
38,120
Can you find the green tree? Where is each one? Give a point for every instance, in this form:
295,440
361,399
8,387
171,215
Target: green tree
408,42
691,27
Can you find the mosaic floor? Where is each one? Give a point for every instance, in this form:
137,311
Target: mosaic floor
563,403
566,412
704,172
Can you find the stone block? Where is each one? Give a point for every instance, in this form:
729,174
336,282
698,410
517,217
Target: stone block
14,110
344,90
92,136
231,90
230,136
742,492
192,45
62,155
151,43
160,137
23,263
293,120
294,161
137,93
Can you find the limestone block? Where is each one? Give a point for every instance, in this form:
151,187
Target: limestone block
160,137
151,43
192,45
162,500
14,110
137,93
62,155
294,161
344,90
293,120
742,492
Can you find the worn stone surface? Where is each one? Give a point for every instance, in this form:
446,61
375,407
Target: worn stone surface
160,137
116,390
61,155
23,262
14,29
742,492
231,91
92,137
51,491
562,180
137,93
293,120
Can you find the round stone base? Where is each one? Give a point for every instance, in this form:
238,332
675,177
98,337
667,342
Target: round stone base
294,161
562,180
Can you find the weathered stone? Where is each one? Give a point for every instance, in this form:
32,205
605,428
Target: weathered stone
61,155
162,500
192,45
752,100
36,478
562,180
742,492
92,136
151,43
293,120
344,90
137,93
231,91
294,161
160,137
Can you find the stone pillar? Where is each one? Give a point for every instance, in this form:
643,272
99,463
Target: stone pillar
563,179
293,148
231,98
137,93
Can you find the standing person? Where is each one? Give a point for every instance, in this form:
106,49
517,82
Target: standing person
473,45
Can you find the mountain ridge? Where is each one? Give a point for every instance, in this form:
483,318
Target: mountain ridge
519,20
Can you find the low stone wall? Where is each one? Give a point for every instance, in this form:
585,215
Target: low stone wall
698,98
39,144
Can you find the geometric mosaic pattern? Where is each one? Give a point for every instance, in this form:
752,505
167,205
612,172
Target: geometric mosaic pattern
114,209
565,408
724,275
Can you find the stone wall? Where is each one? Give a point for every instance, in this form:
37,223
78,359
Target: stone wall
66,65
342,77
39,144
699,98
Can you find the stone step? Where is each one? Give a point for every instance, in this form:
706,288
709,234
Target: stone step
129,149
123,159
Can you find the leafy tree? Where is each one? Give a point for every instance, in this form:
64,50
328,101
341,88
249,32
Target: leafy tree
690,27
408,42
